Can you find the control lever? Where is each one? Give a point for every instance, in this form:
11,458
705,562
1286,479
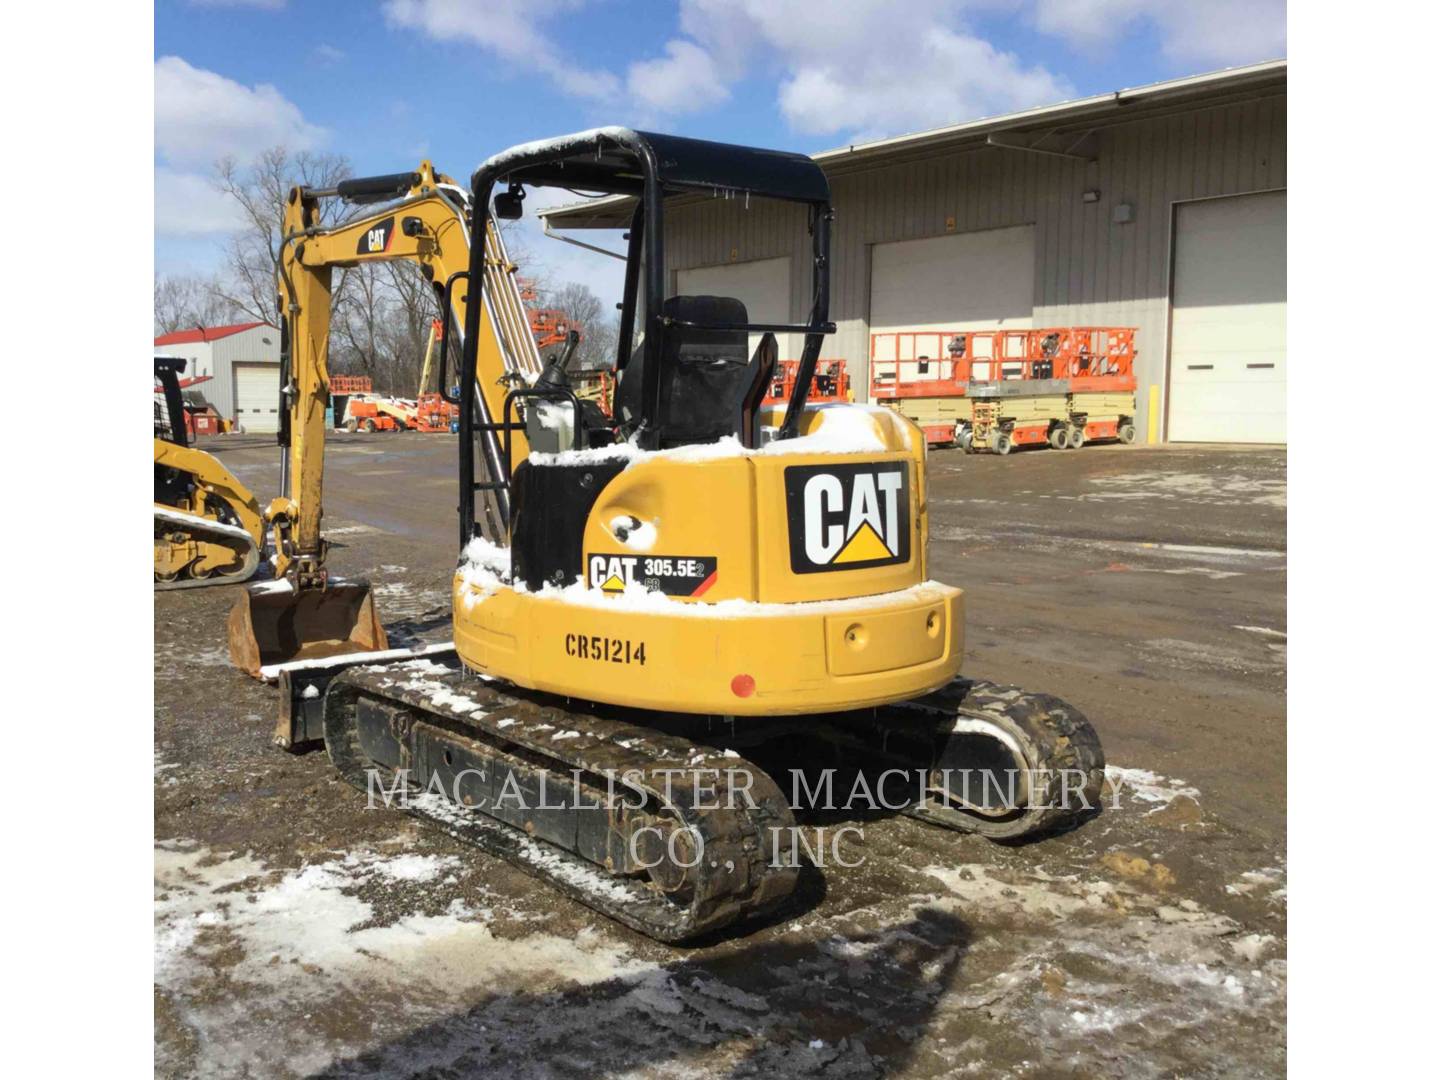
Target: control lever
556,375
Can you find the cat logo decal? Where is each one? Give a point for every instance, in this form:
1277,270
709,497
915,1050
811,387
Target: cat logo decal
376,240
848,517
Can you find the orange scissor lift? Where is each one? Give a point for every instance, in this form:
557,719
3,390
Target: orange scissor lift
994,390
551,326
831,382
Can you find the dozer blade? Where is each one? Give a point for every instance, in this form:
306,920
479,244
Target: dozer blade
274,625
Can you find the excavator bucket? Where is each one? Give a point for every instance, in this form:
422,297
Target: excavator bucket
270,625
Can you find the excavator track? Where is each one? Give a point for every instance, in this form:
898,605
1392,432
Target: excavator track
582,800
973,757
169,521
985,728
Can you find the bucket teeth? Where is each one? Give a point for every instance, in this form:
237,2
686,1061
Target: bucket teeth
271,624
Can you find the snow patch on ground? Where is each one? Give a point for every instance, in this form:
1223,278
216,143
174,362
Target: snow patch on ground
1076,940
290,941
1264,631
216,657
402,600
1219,488
1142,785
1193,655
1268,881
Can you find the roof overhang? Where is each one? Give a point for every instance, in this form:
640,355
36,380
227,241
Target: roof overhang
1053,129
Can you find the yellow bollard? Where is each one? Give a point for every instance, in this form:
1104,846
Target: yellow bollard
1152,433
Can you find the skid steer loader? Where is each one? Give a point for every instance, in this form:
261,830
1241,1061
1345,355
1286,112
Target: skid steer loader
207,523
657,616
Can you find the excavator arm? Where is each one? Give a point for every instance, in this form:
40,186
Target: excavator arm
425,219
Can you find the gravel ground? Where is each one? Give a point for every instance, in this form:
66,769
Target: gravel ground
298,933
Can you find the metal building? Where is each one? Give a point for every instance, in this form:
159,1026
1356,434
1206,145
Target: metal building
243,362
1160,207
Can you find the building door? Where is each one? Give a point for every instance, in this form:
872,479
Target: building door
257,397
1227,328
962,281
763,286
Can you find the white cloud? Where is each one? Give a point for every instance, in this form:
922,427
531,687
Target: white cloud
328,54
867,67
201,116
859,68
871,96
512,29
1215,33
188,205
686,79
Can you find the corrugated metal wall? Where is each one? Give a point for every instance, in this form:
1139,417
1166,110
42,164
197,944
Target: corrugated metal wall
197,353
246,347
1088,270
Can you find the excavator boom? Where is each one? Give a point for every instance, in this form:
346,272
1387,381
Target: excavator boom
424,219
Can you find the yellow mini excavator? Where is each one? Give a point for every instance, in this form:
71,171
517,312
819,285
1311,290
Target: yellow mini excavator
664,621
207,524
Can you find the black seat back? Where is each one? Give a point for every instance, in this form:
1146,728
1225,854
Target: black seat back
708,387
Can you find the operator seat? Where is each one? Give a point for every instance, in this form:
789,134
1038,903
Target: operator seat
708,389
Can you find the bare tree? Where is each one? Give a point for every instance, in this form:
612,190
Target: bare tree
381,313
413,309
252,255
182,303
356,338
380,322
598,327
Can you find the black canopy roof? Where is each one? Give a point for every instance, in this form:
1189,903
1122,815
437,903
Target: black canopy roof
609,160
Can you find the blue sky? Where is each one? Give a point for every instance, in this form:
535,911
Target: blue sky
388,81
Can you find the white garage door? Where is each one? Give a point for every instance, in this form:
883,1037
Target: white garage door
962,281
762,286
974,281
1227,337
257,397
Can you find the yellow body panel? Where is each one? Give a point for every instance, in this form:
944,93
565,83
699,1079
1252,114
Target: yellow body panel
804,658
814,602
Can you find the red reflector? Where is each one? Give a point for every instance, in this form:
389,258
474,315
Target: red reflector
742,685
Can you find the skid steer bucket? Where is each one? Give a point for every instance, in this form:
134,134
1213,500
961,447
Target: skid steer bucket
271,625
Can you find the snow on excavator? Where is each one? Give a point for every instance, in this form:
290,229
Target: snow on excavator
698,594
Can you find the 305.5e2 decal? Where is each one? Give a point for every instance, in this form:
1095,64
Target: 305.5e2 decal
673,575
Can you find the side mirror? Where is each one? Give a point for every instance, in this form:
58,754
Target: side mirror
510,206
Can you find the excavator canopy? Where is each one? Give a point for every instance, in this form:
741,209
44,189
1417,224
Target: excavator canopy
616,160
